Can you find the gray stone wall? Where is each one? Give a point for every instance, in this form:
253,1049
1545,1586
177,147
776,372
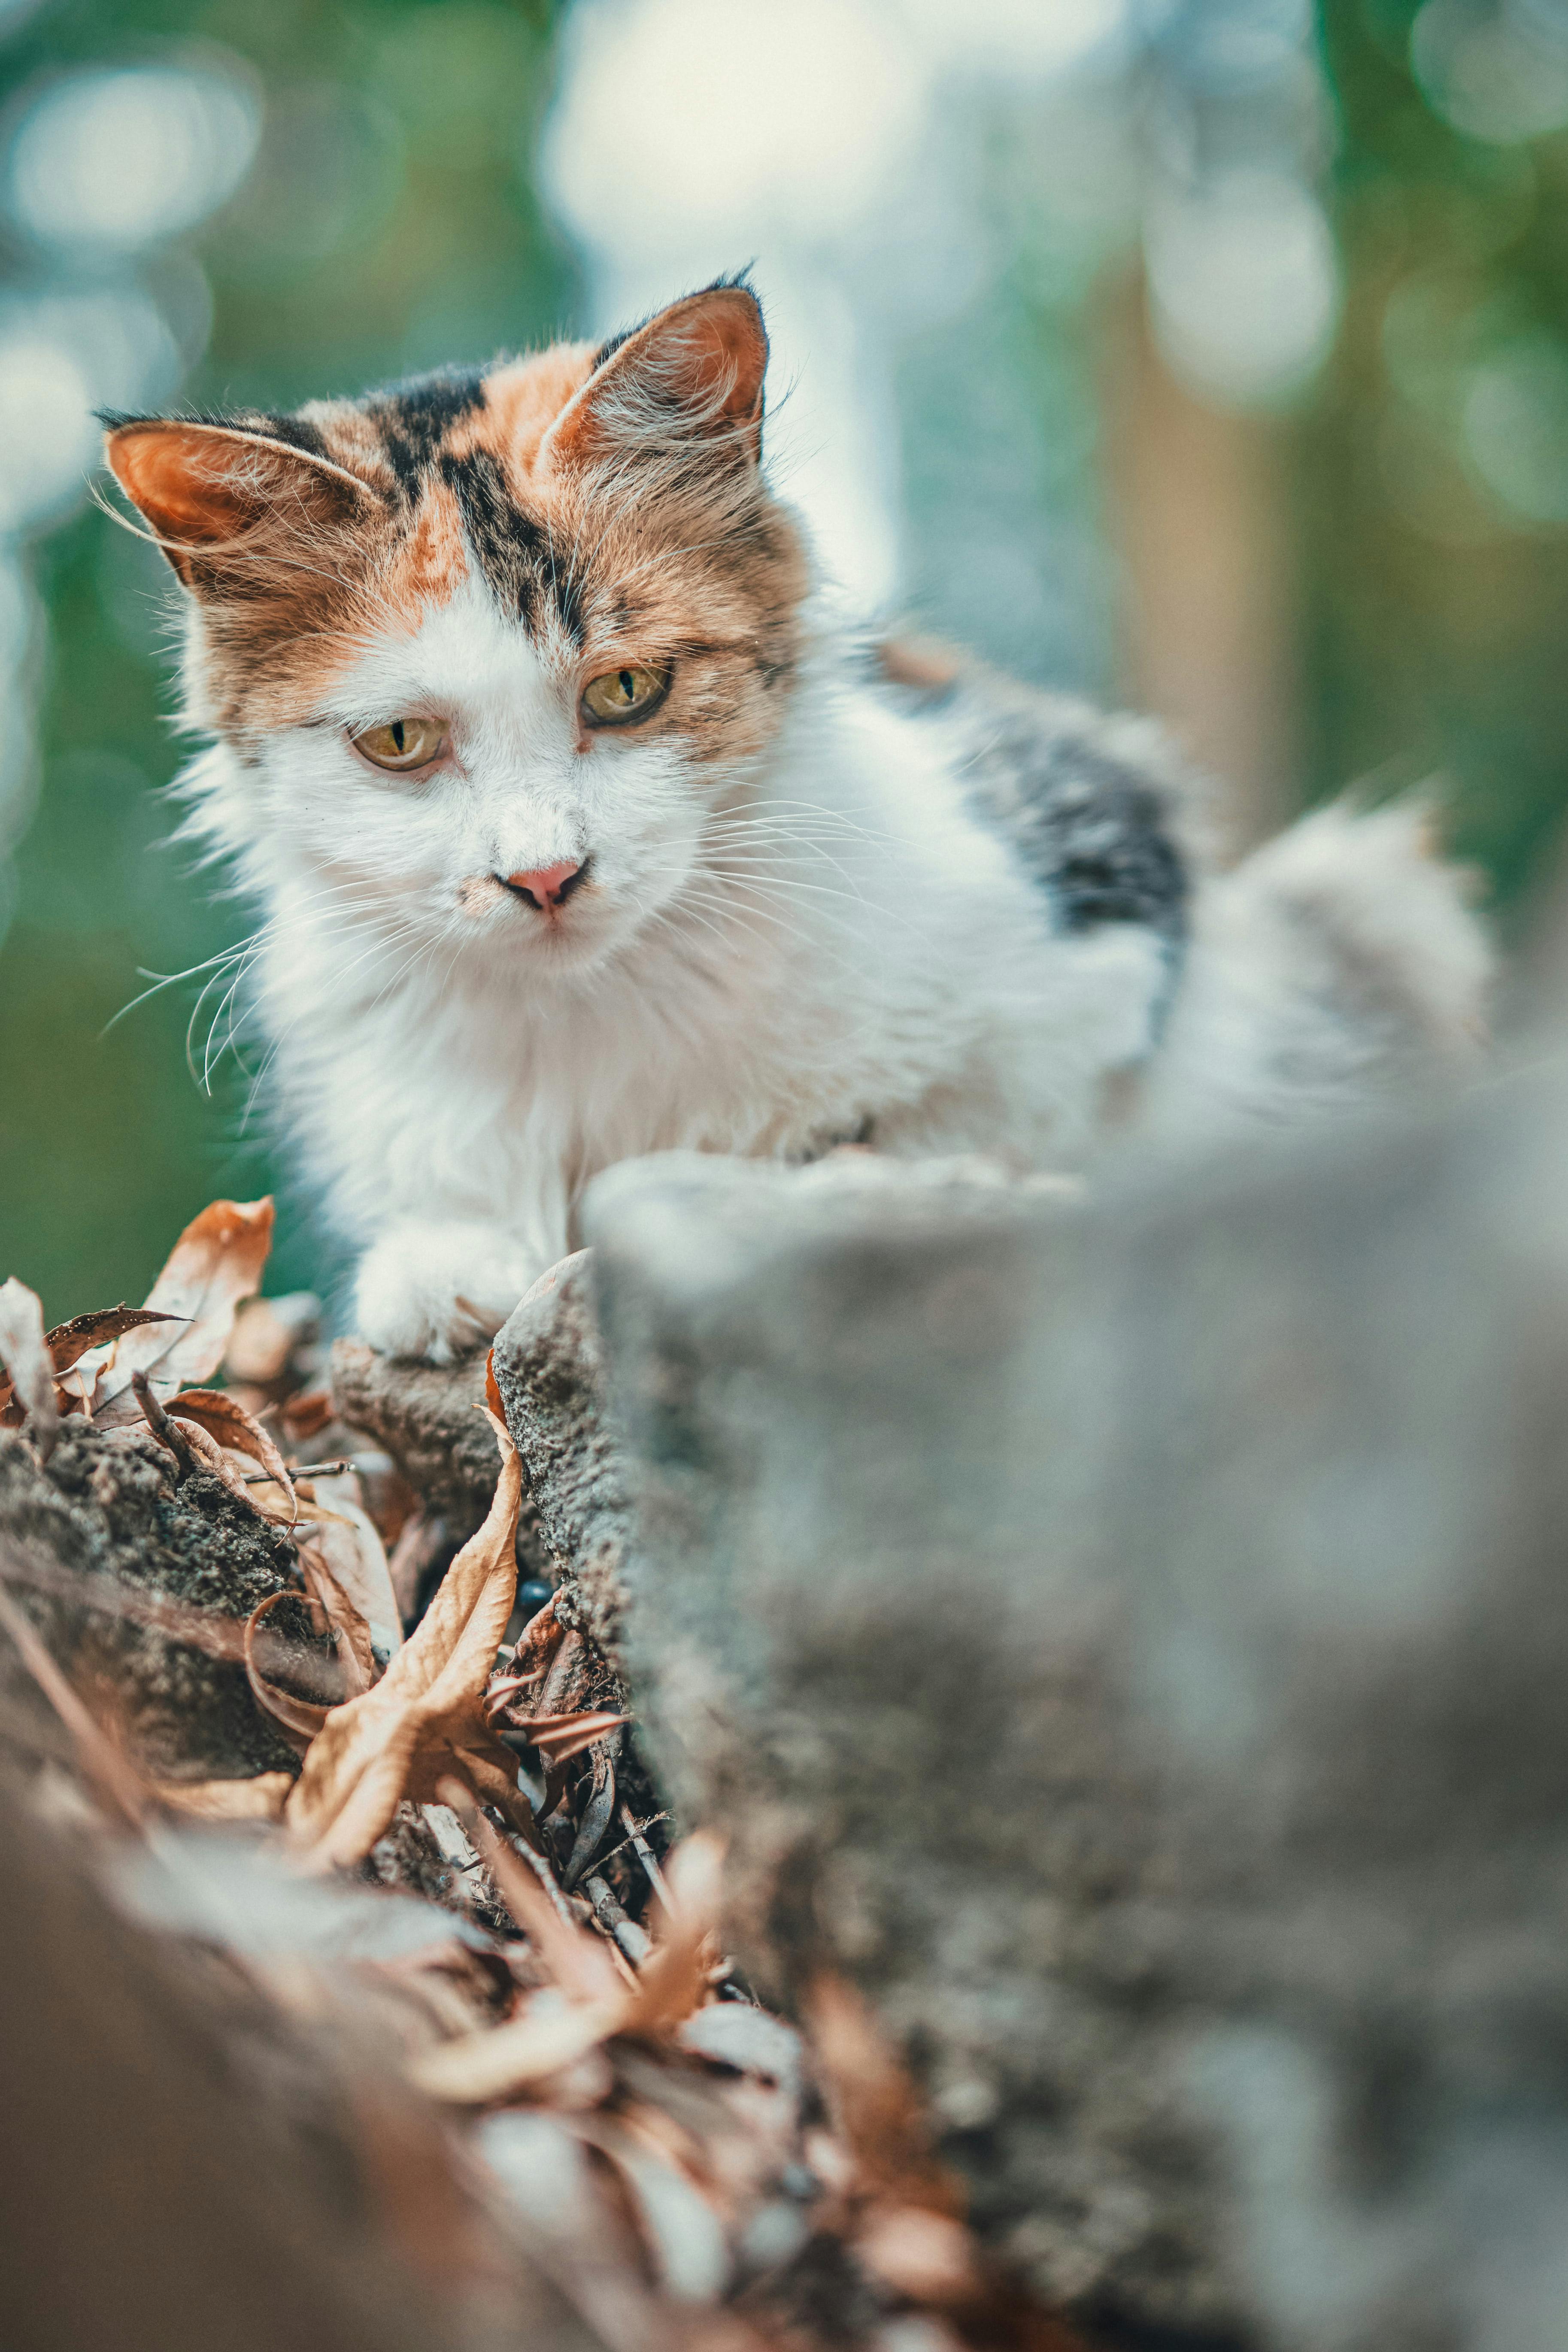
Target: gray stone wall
1131,1638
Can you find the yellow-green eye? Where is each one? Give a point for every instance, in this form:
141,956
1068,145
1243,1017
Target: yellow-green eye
622,694
402,742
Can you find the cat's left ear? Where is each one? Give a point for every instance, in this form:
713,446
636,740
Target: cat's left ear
689,380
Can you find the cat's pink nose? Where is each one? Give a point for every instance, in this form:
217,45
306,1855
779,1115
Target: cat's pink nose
546,885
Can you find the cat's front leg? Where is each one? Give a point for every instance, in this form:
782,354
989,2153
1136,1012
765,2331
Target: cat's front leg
437,1289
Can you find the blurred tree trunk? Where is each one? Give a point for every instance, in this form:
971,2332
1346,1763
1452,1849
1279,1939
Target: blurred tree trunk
1197,511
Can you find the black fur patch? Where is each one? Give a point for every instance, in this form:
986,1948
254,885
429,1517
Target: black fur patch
294,431
1089,827
510,548
607,350
412,418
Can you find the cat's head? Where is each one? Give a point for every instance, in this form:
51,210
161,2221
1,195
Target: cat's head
491,649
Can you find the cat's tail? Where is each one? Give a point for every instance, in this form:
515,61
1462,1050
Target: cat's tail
1337,960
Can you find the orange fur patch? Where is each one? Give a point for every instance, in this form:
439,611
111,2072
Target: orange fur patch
648,535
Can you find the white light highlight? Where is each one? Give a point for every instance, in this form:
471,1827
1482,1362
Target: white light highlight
677,116
122,160
1244,285
1496,69
1516,427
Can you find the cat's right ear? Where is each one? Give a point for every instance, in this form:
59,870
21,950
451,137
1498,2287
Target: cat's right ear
213,492
688,381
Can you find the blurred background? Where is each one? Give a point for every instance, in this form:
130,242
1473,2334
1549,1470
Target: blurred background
1208,354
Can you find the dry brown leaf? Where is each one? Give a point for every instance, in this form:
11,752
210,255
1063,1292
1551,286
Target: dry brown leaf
261,1798
559,1737
300,1719
69,1343
875,2107
673,1979
25,1353
225,1418
579,1962
488,2066
349,1542
215,1263
305,1416
200,1448
550,2034
267,1331
537,1644
355,1653
425,1719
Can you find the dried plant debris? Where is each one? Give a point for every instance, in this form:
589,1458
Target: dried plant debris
420,1820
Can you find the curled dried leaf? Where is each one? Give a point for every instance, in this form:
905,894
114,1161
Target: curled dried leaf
300,1718
25,1353
355,1653
347,1540
225,1418
215,1263
305,1417
537,1646
68,1342
212,1457
559,1737
424,1720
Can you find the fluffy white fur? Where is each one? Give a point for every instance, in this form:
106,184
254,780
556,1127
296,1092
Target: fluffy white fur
768,961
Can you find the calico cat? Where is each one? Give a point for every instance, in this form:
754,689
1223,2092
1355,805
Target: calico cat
580,831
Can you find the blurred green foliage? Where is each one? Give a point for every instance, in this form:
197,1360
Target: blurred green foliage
388,225
1433,480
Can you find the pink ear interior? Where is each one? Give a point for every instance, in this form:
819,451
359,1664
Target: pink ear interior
205,485
705,356
186,481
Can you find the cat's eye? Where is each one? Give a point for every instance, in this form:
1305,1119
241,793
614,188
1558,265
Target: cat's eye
401,743
623,693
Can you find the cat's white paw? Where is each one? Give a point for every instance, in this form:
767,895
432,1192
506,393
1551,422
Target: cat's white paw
439,1291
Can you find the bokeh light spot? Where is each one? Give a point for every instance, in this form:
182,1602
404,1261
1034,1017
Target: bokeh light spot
123,159
1516,427
1496,69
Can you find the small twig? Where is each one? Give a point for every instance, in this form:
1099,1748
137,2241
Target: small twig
298,1470
649,1858
546,1877
605,1859
162,1427
634,1941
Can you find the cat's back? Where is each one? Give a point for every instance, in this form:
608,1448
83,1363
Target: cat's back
1097,809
